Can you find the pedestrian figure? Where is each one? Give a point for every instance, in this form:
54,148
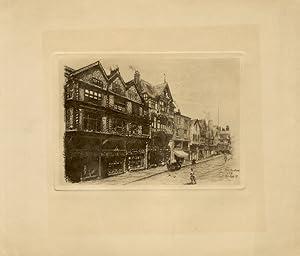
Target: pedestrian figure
192,177
225,157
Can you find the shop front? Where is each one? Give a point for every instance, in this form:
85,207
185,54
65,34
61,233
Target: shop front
135,160
159,156
113,163
82,157
81,165
135,154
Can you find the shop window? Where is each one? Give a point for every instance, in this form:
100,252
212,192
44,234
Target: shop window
115,165
136,161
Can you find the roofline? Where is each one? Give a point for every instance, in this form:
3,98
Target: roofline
176,113
119,75
196,120
97,63
126,85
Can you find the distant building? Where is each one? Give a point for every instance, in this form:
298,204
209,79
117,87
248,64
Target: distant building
195,137
224,145
204,147
161,106
180,144
107,124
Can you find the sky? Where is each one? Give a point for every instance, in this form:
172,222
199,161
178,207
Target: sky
198,85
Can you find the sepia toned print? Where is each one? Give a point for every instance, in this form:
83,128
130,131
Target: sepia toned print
152,121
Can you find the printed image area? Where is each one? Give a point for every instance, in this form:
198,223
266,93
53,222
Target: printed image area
161,120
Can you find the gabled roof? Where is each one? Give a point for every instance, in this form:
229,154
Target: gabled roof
160,88
195,121
153,91
143,87
116,73
179,114
95,64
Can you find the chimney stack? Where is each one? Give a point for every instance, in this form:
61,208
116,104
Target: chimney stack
137,77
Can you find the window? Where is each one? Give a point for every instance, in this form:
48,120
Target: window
178,120
177,132
97,81
93,96
162,106
118,125
92,122
154,122
158,123
152,104
120,104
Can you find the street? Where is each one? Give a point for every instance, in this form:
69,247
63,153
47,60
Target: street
210,172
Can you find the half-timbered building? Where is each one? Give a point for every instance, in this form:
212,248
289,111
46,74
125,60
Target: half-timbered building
107,124
161,113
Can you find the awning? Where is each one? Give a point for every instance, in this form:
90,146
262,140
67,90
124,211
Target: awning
180,153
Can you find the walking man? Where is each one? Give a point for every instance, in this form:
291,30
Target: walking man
192,177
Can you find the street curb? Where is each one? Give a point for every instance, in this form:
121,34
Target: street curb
189,164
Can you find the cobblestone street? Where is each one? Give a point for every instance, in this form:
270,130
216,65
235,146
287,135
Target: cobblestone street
208,172
213,172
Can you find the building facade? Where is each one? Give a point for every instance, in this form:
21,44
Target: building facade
224,145
195,139
203,146
107,127
181,138
161,107
197,144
